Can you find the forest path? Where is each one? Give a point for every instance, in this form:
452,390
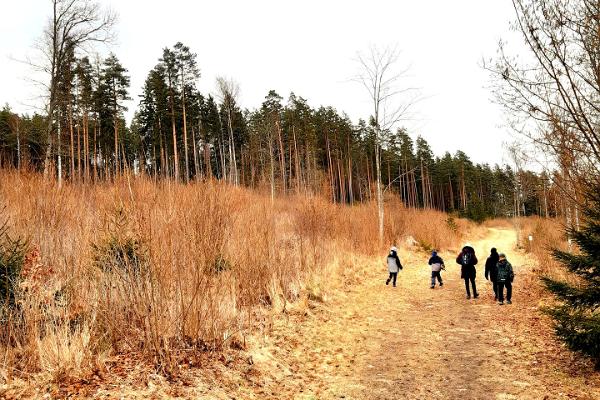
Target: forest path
372,341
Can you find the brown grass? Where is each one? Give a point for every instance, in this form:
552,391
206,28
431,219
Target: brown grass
164,272
546,234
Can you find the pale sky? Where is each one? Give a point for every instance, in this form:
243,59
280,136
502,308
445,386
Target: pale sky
307,47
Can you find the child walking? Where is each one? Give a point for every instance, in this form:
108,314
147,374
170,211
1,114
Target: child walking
394,265
437,265
505,278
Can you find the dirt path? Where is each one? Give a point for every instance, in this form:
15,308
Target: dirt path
377,342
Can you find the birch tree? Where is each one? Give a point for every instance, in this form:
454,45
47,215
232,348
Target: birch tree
380,75
228,92
73,25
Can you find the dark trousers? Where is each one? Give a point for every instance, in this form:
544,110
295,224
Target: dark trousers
472,279
501,285
495,287
436,274
393,276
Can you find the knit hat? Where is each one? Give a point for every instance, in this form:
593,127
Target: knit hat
394,248
502,255
433,253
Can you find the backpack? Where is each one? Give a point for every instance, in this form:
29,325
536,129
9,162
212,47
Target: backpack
467,258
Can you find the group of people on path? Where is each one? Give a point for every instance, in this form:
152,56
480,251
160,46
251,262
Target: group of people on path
497,270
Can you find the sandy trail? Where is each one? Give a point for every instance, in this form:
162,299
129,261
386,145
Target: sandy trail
377,342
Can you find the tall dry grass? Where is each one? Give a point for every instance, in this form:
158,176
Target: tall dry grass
164,270
546,234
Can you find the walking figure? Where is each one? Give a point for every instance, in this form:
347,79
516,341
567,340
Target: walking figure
491,270
467,261
437,265
506,276
394,265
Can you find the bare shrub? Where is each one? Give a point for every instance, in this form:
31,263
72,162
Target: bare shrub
164,270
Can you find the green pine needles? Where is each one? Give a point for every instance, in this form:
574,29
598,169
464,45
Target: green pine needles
577,317
12,258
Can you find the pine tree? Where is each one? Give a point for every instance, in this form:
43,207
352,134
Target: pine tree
188,74
577,316
115,85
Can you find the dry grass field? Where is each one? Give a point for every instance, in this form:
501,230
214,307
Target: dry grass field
137,280
142,289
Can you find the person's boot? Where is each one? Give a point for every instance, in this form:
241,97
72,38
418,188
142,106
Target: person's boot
508,302
468,297
432,286
441,284
501,303
476,295
387,282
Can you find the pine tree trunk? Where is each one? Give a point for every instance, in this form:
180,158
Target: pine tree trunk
78,151
72,143
281,155
59,151
195,152
86,147
174,132
297,163
95,155
272,166
185,141
380,211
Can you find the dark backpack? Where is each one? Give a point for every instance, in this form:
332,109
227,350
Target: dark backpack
467,258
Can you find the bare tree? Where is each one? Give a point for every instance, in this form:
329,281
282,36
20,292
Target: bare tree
228,92
380,76
74,24
553,97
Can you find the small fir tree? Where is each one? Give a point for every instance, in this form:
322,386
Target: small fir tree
577,316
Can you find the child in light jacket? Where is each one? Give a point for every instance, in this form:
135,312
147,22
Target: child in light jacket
437,265
394,265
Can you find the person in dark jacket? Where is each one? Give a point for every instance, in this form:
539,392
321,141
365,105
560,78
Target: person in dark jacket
506,276
491,270
437,265
394,265
467,260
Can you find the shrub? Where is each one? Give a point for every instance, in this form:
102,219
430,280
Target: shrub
12,258
121,251
577,319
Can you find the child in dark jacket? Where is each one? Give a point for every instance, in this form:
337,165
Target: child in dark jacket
437,265
506,276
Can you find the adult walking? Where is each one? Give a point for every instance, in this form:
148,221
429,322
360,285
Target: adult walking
468,260
394,265
506,276
491,270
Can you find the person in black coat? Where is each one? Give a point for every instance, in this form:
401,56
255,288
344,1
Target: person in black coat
491,270
467,260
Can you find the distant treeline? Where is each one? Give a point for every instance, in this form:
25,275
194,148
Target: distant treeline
283,147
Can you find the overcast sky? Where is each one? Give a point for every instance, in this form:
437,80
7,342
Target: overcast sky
307,47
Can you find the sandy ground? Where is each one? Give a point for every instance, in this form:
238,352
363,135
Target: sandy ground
372,341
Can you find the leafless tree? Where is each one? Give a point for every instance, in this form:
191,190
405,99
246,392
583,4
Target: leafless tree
380,74
228,92
73,25
553,93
